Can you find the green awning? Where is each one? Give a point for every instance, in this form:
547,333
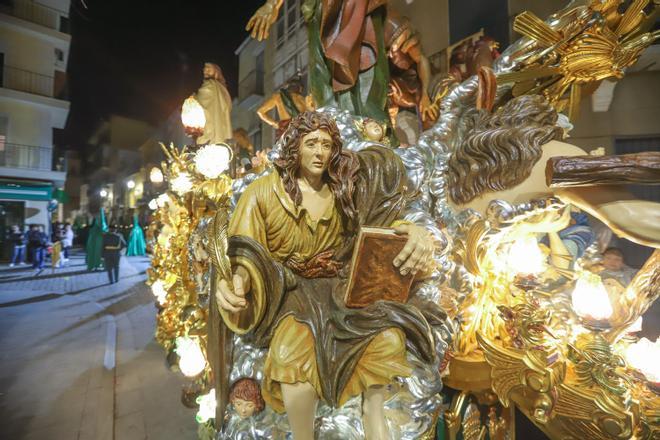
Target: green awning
22,191
61,196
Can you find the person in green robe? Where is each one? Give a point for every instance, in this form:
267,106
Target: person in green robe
94,246
136,242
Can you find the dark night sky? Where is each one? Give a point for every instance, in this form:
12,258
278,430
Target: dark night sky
141,58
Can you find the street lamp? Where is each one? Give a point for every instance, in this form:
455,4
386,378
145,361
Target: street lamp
130,184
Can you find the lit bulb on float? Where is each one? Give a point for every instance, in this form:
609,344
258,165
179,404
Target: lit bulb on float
212,160
153,204
207,405
525,261
192,117
182,183
162,199
191,358
644,356
156,175
525,257
159,291
590,300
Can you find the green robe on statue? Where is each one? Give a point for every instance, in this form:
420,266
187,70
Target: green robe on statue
136,243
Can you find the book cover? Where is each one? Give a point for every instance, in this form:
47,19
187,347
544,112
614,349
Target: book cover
373,275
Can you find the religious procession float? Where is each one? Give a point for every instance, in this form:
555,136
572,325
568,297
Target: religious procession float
354,285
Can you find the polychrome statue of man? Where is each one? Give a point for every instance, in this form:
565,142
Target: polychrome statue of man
289,102
291,237
216,101
347,56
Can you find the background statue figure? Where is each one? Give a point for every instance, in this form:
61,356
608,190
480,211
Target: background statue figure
289,103
347,55
214,98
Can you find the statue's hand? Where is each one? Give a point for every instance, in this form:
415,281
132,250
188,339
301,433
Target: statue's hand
262,20
428,110
233,300
417,253
309,102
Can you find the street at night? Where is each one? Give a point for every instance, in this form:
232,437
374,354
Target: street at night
329,219
79,360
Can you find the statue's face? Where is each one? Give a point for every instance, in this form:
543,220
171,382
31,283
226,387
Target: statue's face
244,408
208,71
315,150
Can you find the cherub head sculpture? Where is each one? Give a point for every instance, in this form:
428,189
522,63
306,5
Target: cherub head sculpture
500,149
338,167
245,396
372,130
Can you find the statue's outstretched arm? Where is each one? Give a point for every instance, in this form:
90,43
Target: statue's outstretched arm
267,106
630,218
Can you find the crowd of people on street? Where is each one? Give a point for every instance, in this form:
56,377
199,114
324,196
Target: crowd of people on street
33,245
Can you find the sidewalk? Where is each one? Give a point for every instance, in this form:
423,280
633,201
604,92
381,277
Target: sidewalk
78,359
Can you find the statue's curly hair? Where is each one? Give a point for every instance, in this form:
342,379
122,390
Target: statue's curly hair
500,149
342,168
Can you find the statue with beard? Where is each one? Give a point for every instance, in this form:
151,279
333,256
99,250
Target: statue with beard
214,98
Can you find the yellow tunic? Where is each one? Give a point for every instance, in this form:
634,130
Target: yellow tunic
266,213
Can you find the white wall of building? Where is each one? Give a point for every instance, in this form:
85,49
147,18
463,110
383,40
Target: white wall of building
36,213
28,124
33,51
25,50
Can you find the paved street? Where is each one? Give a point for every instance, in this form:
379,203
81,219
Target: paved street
78,359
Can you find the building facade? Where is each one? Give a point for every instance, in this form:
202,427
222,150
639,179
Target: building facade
105,178
34,47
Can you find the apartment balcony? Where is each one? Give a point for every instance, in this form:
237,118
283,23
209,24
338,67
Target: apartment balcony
31,82
251,85
32,162
37,13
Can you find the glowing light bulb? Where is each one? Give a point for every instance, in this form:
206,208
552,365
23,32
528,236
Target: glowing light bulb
212,160
159,291
156,175
182,183
590,299
103,193
192,114
525,257
162,199
130,184
191,358
207,405
644,356
153,204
